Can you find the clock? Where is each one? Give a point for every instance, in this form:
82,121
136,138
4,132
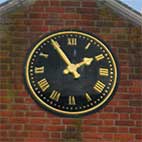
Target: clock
71,73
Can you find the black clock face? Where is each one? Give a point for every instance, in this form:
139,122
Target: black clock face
71,73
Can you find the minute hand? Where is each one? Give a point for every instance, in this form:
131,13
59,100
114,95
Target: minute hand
71,67
60,51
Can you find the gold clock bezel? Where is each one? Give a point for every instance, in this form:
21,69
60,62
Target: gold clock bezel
96,39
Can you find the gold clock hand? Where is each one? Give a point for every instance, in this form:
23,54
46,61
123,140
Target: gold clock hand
71,67
60,51
86,61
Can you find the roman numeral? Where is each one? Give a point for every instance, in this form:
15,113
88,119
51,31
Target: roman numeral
43,84
55,95
72,41
87,96
39,70
72,100
99,86
43,55
87,46
103,72
99,57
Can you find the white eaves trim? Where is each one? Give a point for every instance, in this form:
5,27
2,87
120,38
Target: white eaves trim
123,10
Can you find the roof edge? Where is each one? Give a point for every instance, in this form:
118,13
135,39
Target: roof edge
10,5
124,11
116,5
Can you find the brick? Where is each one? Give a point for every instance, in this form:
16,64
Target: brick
35,15
19,100
107,129
53,128
35,114
3,106
56,135
55,3
18,127
93,122
88,129
139,137
55,10
39,29
108,116
89,16
108,109
37,8
92,135
19,114
108,136
135,103
34,22
19,120
36,127
123,130
86,10
37,134
124,109
125,123
108,122
18,134
4,126
55,121
70,16
71,121
123,103
54,22
136,130
139,123
124,116
39,120
6,113
123,137
5,100
135,89
42,3
84,22
88,3
70,3
19,107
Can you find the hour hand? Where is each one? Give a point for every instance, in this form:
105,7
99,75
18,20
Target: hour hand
73,67
86,61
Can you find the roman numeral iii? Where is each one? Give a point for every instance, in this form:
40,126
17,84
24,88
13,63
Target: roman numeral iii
72,41
39,70
99,86
55,95
72,100
103,72
43,84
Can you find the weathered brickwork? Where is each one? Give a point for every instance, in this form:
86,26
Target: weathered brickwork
22,120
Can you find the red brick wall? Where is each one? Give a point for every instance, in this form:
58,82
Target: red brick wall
22,120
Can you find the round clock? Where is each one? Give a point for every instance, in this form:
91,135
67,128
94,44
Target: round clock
71,73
